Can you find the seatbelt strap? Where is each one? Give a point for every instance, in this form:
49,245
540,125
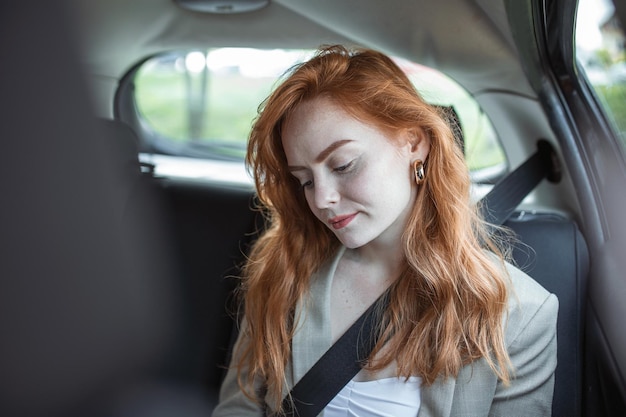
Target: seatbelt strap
337,366
498,205
343,361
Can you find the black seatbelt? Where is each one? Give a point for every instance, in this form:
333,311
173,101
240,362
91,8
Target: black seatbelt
343,361
498,205
337,366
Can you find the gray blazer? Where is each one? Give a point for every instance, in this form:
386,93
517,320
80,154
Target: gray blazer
530,337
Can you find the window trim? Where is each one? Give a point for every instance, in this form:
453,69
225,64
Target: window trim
126,109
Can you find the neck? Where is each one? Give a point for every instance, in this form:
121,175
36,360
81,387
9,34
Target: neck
387,259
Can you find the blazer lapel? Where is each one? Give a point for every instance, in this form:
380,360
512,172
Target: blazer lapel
313,334
436,399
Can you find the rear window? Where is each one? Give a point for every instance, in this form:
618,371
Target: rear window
201,105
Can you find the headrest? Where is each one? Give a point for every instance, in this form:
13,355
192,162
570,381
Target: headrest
451,116
122,141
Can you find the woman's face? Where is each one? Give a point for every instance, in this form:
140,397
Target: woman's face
357,180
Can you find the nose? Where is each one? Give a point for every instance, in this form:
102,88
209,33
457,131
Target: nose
326,193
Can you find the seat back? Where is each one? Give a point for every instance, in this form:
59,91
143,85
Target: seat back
212,226
82,322
146,207
553,251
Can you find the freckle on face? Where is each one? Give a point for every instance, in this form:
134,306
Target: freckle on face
382,192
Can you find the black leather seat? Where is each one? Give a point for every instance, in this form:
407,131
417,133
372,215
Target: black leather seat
554,252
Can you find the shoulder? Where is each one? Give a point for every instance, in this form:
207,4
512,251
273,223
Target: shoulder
531,342
532,310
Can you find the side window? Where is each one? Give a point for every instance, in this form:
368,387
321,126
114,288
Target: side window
484,154
201,105
601,54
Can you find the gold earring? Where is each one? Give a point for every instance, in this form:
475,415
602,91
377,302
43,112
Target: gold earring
418,171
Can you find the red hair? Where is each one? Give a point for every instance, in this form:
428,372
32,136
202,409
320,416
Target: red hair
446,308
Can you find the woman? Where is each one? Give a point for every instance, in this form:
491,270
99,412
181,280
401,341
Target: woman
366,192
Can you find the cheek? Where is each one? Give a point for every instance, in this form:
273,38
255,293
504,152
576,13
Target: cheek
383,180
395,184
361,188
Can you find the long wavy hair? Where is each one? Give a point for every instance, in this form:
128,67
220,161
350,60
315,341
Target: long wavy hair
445,310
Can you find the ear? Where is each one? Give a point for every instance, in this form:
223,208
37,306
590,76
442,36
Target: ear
419,143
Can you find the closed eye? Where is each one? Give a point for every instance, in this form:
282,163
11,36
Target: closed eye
344,167
304,183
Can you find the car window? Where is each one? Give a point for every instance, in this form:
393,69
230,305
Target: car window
601,56
484,154
201,104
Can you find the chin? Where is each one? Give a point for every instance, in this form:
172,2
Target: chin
351,243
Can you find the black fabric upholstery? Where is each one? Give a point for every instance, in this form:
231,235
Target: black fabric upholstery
84,320
554,252
146,207
212,226
207,227
123,142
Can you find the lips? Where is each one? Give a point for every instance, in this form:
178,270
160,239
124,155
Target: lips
339,222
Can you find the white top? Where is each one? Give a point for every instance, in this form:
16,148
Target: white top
388,397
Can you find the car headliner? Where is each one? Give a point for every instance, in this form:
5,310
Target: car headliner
469,40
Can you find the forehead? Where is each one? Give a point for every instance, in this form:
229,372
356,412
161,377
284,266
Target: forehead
314,112
318,123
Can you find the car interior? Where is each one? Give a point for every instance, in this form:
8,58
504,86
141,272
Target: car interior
128,210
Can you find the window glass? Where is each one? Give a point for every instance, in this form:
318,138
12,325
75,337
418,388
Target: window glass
203,103
482,148
601,54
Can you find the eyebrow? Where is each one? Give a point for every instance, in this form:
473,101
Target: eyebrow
324,154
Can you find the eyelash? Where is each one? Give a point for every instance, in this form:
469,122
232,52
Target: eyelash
341,169
345,167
